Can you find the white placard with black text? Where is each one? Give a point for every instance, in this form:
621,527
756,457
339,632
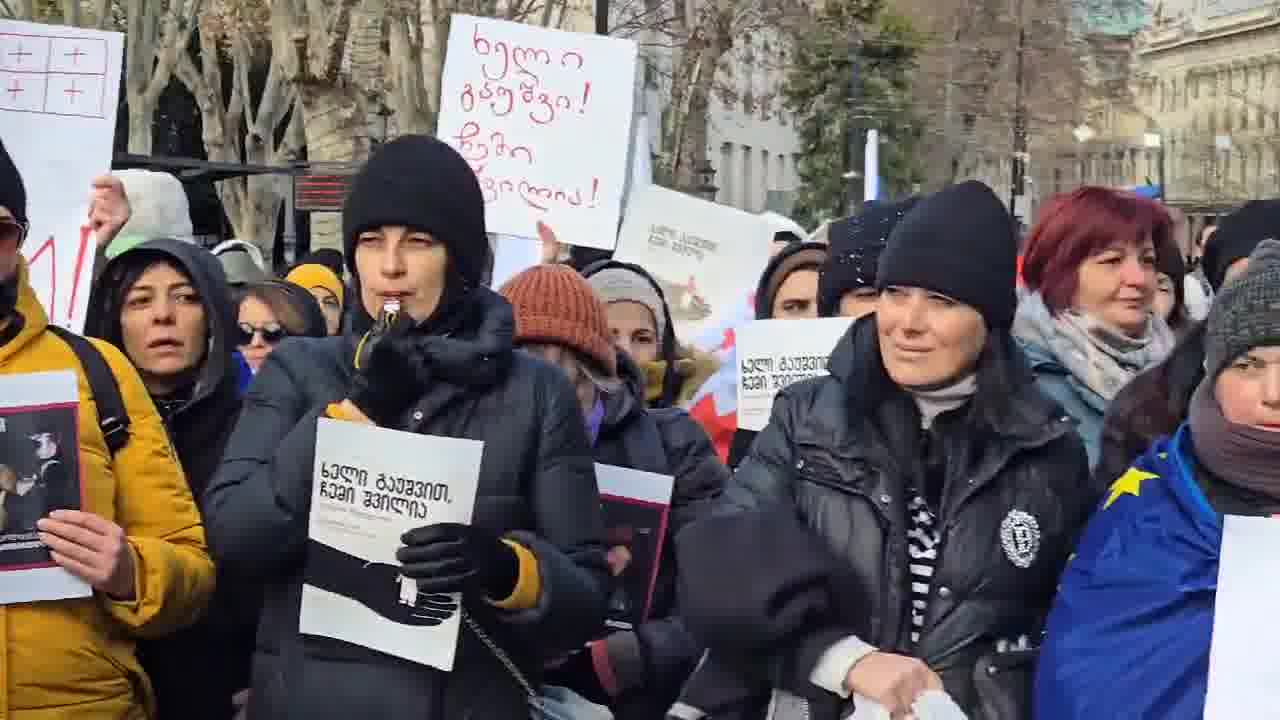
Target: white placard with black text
370,486
773,354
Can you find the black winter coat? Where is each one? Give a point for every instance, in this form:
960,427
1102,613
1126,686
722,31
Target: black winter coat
537,485
652,661
818,550
194,671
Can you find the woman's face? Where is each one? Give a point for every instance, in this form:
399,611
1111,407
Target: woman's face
1248,390
634,330
861,301
260,331
1162,304
330,306
1118,286
402,265
164,327
927,339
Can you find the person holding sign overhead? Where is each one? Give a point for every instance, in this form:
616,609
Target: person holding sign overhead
427,349
902,522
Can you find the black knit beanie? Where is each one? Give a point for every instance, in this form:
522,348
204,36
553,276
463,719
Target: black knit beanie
856,245
1237,235
422,183
13,194
960,242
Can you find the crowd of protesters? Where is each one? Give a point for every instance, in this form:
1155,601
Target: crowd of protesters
952,512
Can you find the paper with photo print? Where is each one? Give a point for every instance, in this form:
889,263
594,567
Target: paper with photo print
636,507
773,354
39,473
370,486
703,255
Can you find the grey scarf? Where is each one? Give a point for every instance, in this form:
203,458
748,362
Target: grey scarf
1098,356
1241,455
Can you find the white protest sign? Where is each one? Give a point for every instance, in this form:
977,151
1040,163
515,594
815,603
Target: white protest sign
372,485
59,89
705,256
1241,682
544,118
772,354
513,255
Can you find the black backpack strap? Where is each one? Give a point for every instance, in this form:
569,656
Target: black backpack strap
112,416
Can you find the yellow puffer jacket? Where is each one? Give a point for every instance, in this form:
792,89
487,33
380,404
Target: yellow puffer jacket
75,658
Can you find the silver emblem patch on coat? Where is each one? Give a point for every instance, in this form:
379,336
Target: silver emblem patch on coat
1020,537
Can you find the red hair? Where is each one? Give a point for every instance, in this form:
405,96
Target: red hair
1077,225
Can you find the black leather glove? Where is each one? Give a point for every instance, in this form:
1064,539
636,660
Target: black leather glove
450,557
391,372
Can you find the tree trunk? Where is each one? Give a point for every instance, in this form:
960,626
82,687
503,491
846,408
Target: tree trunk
335,124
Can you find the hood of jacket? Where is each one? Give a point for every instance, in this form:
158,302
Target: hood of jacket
206,275
787,261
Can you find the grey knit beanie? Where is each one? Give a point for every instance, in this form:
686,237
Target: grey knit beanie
1246,314
615,284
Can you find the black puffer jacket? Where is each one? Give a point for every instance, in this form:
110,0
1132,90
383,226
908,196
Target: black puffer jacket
817,549
537,484
651,662
194,671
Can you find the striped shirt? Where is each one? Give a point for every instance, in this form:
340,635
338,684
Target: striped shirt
922,549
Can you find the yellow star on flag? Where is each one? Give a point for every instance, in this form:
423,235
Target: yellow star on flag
1130,483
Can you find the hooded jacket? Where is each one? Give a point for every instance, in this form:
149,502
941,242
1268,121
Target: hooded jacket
536,486
199,422
650,663
75,658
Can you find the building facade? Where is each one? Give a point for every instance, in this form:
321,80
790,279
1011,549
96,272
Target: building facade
1207,93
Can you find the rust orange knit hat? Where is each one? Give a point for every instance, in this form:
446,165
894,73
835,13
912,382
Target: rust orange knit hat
554,304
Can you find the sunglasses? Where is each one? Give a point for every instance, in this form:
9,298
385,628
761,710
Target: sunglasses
271,334
12,231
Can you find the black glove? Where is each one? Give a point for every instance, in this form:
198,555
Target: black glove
391,372
450,557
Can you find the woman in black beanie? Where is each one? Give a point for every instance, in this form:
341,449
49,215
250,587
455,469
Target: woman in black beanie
439,361
903,521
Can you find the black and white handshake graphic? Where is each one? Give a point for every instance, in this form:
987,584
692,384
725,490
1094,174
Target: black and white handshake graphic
378,586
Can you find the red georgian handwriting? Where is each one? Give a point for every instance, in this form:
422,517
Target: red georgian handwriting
542,107
503,57
469,145
536,195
